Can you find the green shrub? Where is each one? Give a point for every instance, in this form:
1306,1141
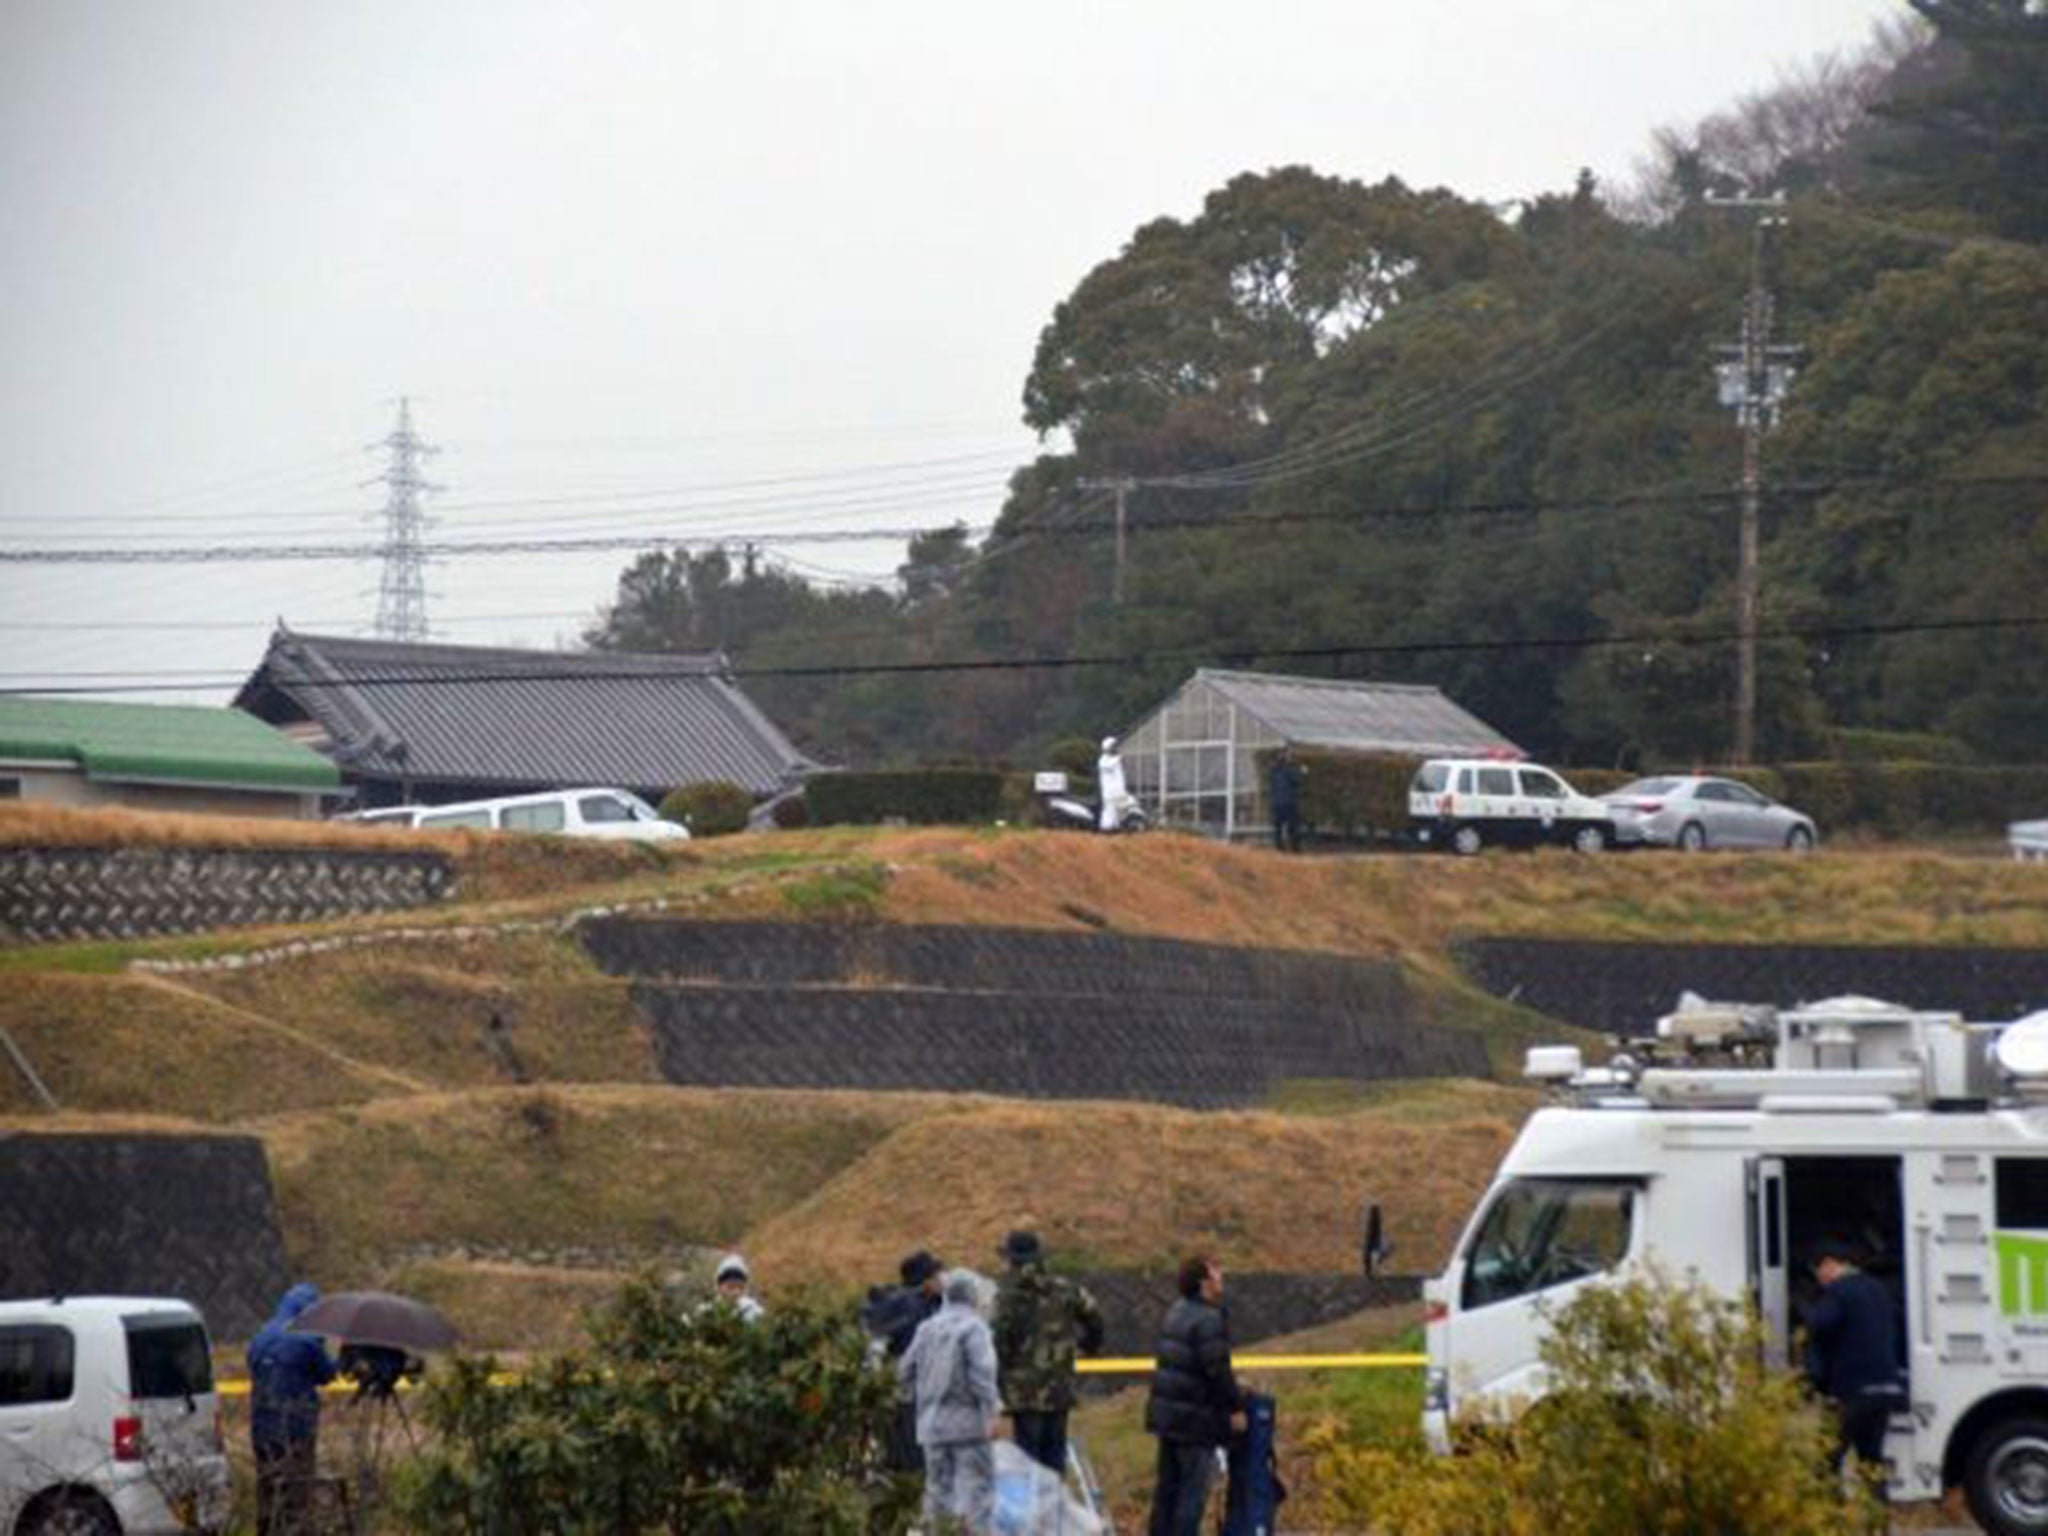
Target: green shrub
1862,746
1598,781
709,808
1074,756
1901,799
790,812
679,1418
1354,795
1661,1418
1018,804
922,796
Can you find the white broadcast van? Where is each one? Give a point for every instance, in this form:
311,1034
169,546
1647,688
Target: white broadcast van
1922,1138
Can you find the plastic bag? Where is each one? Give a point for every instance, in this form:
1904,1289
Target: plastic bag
1030,1501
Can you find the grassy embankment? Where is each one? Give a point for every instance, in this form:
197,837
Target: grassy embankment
404,1153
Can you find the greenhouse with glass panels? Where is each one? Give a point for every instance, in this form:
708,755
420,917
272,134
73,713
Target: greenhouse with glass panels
1193,761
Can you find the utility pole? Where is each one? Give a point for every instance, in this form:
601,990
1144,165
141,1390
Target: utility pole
1754,377
1122,485
402,590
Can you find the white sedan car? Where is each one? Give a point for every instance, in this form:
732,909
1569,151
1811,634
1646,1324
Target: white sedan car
1694,811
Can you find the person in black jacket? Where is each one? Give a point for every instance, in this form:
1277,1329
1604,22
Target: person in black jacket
1195,1402
891,1317
1852,1352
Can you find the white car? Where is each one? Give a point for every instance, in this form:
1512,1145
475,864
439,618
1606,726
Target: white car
615,814
1691,812
109,1425
1464,804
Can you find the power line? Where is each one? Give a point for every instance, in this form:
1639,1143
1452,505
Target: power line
865,480
1707,498
1238,654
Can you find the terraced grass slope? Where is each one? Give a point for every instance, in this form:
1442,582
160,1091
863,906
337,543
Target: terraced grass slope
405,1146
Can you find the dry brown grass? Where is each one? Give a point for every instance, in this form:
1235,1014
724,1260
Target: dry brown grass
1183,887
138,1045
490,866
533,1173
422,1008
503,1308
1138,1185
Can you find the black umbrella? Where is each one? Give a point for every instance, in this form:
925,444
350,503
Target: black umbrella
377,1318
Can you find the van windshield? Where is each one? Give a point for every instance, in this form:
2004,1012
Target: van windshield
1430,778
1545,1232
167,1357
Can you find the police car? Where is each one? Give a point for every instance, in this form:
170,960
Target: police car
1465,804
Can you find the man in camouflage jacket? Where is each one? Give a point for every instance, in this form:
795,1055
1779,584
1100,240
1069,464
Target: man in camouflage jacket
1042,1322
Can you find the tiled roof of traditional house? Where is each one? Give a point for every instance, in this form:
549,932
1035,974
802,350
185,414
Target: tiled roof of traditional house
496,717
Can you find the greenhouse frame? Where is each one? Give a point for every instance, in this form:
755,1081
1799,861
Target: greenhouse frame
1193,761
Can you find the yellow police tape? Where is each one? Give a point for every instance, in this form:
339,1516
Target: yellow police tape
1125,1365
1134,1365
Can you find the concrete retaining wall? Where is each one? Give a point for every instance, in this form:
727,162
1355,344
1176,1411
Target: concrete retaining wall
1204,1052
1262,1306
130,893
1623,988
1017,1012
185,1216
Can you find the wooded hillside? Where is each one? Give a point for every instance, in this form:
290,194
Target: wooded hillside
1395,433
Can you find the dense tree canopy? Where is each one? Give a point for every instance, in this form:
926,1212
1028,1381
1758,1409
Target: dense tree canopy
1369,430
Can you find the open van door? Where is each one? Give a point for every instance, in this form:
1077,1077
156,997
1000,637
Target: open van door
1770,1257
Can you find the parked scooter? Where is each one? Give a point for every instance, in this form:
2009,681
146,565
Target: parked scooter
1115,809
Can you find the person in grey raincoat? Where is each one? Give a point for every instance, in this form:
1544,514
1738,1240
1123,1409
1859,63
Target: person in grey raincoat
950,1372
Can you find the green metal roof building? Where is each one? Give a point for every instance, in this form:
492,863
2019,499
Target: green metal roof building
166,757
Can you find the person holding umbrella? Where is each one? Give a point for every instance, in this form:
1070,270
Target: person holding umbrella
286,1372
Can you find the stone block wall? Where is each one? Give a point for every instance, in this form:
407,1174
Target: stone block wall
1016,1012
138,892
1622,989
185,1216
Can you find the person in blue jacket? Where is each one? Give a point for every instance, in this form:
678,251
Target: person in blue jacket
286,1372
1852,1351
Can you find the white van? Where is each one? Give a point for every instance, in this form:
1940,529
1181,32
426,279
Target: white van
1463,804
1921,1137
617,814
109,1425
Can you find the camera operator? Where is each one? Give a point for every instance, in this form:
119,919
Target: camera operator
286,1372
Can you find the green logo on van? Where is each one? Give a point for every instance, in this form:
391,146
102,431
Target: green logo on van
2022,1274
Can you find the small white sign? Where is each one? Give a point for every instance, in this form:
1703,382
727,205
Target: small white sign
1049,783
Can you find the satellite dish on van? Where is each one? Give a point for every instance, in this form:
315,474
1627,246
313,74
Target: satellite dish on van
2022,1048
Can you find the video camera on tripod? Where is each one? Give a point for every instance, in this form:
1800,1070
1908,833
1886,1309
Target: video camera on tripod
377,1369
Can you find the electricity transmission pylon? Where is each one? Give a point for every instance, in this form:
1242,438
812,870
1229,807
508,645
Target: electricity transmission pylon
402,590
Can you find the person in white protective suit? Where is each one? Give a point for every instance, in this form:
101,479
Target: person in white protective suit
1109,778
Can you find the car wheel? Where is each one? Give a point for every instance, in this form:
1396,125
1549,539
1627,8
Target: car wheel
1692,837
1467,841
1589,839
1799,840
2006,1478
73,1513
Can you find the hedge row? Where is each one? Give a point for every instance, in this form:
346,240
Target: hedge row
1359,796
922,796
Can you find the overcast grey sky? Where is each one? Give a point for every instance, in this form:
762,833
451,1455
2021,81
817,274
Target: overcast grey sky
631,257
